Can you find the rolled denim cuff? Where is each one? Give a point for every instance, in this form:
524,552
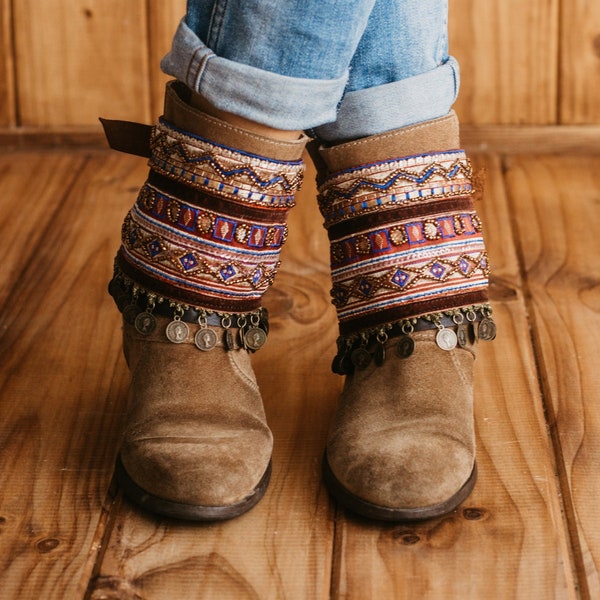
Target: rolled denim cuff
394,105
278,101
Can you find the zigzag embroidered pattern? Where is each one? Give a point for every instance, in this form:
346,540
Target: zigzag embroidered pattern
423,248
224,171
414,180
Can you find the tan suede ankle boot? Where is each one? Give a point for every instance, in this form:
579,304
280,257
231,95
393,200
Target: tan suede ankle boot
199,248
409,272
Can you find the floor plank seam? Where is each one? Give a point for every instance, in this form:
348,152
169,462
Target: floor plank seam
565,499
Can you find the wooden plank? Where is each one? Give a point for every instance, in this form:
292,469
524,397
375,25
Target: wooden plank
163,19
62,384
78,59
520,139
555,201
500,139
282,548
508,53
508,539
7,82
580,62
43,179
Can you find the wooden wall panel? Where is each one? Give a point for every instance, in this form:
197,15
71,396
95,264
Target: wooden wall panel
163,18
77,59
534,62
508,53
7,88
580,62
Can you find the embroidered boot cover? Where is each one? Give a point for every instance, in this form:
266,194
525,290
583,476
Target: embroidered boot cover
410,278
199,248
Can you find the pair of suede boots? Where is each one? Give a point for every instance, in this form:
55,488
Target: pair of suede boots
199,249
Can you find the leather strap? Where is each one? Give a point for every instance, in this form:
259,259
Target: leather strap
129,137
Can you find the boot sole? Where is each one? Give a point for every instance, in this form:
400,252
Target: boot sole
188,512
384,513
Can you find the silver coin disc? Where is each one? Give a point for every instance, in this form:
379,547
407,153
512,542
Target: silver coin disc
487,330
446,339
177,332
254,338
145,323
205,339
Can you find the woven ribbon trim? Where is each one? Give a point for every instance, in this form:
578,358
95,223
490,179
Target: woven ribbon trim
208,225
405,239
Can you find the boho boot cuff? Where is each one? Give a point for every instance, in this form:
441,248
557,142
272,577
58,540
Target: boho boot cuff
205,233
407,252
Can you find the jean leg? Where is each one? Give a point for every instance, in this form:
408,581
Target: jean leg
401,73
284,63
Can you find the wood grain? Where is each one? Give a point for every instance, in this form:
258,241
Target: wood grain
61,383
7,82
580,62
556,203
78,59
508,52
535,62
163,19
282,548
508,539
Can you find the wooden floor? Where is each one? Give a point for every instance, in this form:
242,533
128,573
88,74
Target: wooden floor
530,530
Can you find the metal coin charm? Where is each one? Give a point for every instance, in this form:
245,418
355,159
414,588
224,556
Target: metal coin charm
462,335
145,323
405,347
229,339
345,365
487,329
177,331
336,365
205,339
255,338
379,355
361,358
446,339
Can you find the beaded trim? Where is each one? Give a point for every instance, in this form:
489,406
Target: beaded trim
208,226
460,327
221,170
405,239
410,180
140,307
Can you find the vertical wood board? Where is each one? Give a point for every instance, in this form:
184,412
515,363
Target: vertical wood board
508,52
7,83
163,19
80,59
556,203
580,62
61,389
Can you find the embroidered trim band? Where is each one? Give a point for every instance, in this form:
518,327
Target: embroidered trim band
405,239
208,225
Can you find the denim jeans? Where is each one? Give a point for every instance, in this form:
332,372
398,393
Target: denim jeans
343,69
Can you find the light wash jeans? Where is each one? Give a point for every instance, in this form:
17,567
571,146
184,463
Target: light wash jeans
343,69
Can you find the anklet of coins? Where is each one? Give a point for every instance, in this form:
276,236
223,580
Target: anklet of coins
457,328
140,309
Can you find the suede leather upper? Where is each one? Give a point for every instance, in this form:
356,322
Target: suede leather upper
196,431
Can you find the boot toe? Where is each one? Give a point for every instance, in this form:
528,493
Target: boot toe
402,479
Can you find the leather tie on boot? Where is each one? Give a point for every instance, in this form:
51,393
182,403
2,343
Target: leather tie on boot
199,248
410,275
